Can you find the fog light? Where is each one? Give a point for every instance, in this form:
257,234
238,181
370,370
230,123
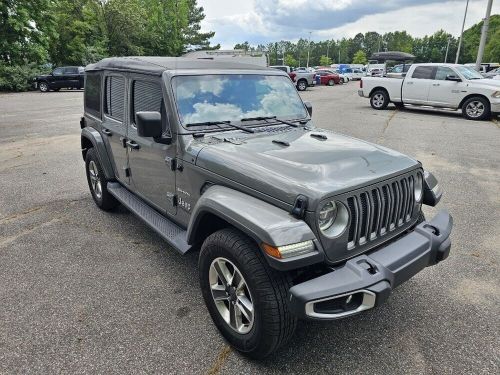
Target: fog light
288,251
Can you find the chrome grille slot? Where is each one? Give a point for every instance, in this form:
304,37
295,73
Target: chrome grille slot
380,210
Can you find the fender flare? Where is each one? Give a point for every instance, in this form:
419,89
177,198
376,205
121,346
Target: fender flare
92,135
258,219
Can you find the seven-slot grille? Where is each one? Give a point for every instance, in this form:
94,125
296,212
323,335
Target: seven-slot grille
380,210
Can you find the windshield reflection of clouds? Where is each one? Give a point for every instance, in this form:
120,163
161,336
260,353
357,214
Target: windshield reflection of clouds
232,97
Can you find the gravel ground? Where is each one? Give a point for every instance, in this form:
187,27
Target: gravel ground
84,291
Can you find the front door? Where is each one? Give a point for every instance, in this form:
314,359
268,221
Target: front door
150,162
445,93
113,126
57,79
416,88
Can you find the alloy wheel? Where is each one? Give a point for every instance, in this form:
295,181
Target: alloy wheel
231,295
475,109
378,100
95,181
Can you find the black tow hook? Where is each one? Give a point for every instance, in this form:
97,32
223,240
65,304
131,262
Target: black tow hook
433,229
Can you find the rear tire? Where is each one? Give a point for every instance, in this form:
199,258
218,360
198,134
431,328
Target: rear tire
476,108
302,85
97,182
265,290
379,99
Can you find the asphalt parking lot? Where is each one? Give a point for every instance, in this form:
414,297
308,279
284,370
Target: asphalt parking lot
85,291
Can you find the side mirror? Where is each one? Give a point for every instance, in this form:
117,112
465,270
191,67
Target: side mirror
149,125
452,77
309,108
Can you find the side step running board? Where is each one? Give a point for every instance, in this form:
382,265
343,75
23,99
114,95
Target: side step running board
170,232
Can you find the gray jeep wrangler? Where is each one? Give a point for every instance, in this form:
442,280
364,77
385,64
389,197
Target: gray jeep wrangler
291,221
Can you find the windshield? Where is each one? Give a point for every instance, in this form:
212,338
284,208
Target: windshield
468,72
231,97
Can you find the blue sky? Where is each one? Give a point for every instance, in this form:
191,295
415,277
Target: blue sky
261,21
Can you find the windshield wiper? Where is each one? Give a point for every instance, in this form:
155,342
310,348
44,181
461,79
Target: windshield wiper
260,118
208,123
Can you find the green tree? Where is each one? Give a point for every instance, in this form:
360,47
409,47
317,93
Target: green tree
359,57
25,28
325,61
290,60
244,46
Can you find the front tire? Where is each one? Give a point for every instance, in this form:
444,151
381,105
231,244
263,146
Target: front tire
331,82
97,182
245,297
379,99
476,108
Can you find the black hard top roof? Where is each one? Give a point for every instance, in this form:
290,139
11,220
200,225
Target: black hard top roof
157,65
392,55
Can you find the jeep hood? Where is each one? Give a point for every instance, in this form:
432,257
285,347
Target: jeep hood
309,165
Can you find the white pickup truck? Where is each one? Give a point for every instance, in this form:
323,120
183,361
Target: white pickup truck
450,86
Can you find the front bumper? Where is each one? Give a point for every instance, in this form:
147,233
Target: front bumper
366,281
495,106
360,93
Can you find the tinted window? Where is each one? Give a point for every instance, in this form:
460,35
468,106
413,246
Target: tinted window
93,94
71,70
423,72
147,97
442,72
115,96
58,72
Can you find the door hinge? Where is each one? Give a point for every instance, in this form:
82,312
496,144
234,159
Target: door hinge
172,199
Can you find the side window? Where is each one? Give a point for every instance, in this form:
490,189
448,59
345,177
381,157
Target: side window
442,72
57,72
423,72
115,97
147,97
71,70
92,96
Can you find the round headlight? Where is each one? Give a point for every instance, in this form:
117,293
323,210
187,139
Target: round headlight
333,219
418,187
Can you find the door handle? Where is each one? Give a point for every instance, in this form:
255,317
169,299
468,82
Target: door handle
107,132
435,84
409,83
132,144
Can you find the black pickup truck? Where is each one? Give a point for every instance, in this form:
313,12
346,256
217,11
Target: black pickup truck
70,77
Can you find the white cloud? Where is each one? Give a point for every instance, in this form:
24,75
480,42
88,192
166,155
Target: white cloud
262,21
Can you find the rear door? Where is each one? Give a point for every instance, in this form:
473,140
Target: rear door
113,125
71,76
445,93
416,88
150,164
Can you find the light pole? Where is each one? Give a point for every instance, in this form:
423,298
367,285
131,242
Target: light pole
327,48
309,48
462,33
484,34
447,47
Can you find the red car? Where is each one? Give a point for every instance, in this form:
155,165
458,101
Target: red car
328,78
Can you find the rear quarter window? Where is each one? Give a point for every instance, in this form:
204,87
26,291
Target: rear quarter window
92,96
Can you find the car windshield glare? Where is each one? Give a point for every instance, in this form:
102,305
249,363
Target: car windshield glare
469,73
231,97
